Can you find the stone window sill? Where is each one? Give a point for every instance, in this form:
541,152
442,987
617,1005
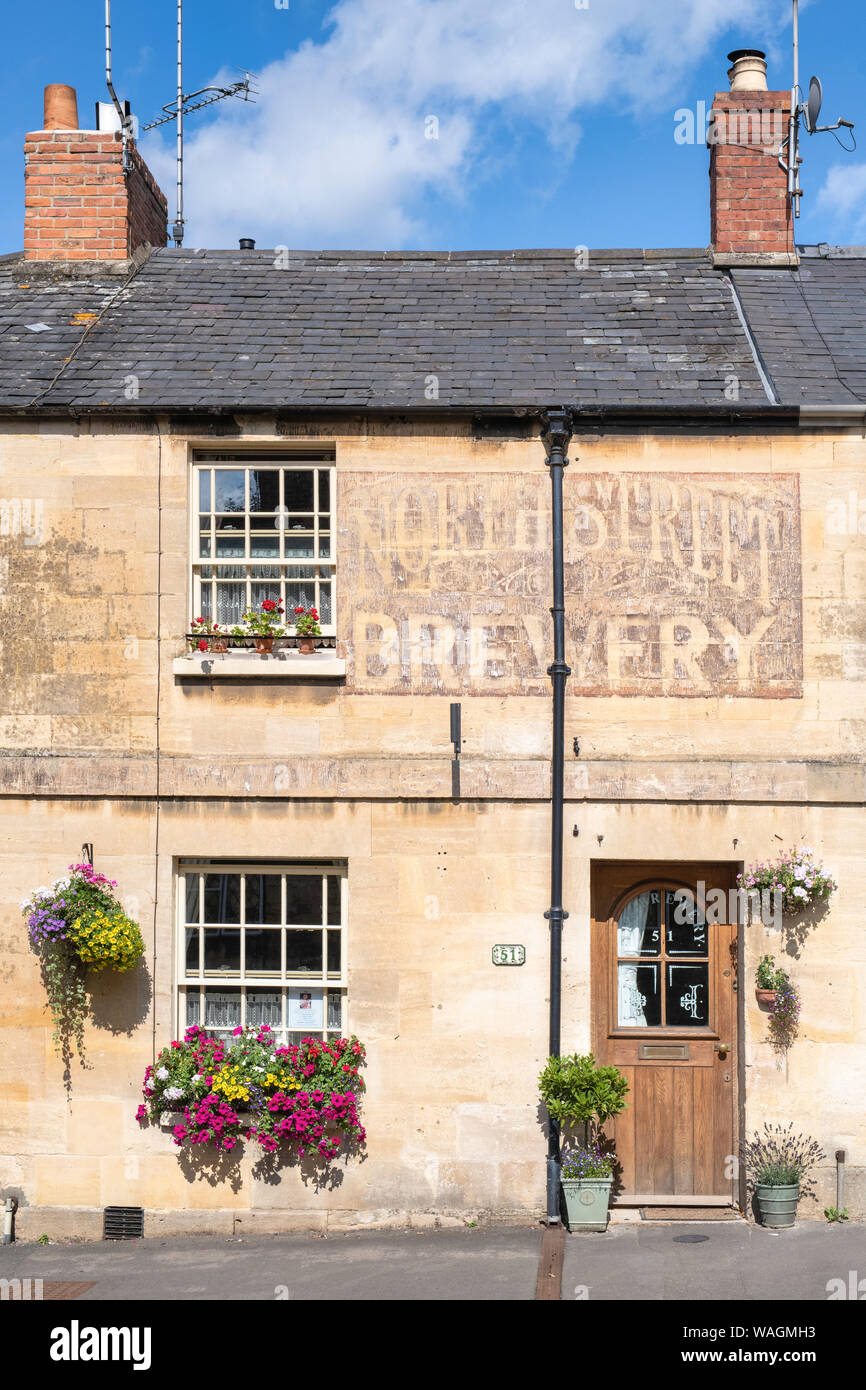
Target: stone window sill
282,665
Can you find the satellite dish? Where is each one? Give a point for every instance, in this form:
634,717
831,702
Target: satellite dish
813,105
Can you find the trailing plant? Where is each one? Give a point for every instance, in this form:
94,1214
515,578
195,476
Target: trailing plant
250,1087
777,1157
77,925
307,622
586,1161
576,1091
796,874
784,1020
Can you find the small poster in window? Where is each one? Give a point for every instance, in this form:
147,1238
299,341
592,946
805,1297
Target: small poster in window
305,1009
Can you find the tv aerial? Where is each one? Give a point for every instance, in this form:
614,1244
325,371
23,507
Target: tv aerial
808,113
184,103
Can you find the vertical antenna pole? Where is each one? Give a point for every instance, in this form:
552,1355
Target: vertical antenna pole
794,123
121,116
178,226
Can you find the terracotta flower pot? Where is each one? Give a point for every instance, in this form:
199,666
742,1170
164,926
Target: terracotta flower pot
765,997
264,644
219,644
306,645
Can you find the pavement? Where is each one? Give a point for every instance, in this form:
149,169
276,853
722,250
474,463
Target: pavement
728,1260
634,1261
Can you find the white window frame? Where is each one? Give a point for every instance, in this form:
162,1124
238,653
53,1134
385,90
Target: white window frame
330,982
325,568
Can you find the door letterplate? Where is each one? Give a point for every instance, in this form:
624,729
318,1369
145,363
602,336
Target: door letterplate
664,1052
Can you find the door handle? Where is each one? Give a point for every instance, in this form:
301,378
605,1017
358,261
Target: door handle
723,1049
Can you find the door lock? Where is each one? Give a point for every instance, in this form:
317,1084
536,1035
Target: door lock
722,1048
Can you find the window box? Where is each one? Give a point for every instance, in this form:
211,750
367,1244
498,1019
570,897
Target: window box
283,662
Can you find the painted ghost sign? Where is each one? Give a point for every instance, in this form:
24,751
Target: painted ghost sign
676,584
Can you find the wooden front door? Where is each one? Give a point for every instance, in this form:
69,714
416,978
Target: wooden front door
664,1012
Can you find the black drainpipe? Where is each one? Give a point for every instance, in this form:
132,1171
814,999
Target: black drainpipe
556,434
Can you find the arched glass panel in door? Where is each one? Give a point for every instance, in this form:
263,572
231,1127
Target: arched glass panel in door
662,964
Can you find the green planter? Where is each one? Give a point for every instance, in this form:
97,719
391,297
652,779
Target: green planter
586,1202
778,1205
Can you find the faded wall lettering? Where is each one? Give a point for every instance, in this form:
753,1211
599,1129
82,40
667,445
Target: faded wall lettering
676,584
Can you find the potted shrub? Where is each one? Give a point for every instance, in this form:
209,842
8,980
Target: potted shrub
307,628
577,1092
777,1161
264,624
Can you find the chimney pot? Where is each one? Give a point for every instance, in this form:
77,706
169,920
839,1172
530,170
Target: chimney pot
60,108
246,243
748,71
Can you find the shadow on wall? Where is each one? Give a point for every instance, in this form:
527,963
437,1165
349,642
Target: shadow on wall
119,1002
205,1163
795,930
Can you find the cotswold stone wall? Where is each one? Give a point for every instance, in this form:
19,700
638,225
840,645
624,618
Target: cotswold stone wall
727,570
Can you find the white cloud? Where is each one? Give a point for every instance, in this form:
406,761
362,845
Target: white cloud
334,153
844,194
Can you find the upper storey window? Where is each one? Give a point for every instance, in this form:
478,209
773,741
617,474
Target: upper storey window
263,529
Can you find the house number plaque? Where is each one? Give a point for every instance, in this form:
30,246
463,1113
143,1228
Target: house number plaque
509,955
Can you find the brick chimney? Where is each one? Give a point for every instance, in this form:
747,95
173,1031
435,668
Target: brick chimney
751,215
79,204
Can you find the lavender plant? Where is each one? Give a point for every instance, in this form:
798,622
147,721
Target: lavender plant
777,1157
586,1161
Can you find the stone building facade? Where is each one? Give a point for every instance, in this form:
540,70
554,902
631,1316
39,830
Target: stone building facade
715,566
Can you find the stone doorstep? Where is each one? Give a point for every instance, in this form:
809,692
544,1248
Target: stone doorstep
284,664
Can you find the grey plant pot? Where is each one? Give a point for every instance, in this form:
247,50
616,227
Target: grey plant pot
777,1205
586,1203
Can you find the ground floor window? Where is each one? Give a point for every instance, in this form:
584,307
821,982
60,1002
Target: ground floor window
262,944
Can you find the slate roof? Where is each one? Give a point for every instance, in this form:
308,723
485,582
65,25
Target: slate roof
217,330
810,326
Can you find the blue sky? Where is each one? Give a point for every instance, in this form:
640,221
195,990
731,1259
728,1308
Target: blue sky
554,120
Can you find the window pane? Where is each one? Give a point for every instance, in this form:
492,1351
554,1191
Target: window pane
204,547
263,898
192,964
298,490
324,603
303,899
227,547
204,490
302,595
686,933
265,547
193,1007
324,491
640,1003
232,525
222,949
192,897
304,951
264,489
334,898
222,897
638,928
229,490
298,546
222,1008
262,591
335,1010
263,949
264,1006
335,947
688,996
231,603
